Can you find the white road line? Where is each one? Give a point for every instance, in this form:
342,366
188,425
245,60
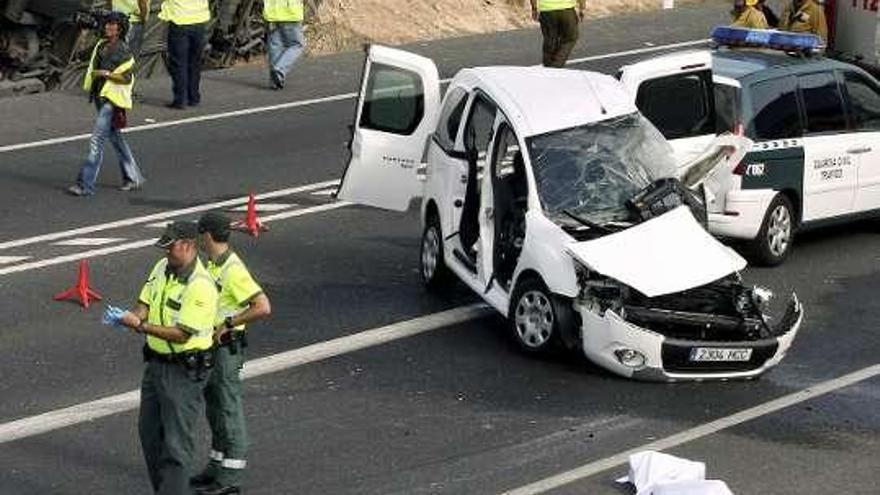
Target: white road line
164,215
304,103
5,260
94,253
90,411
324,192
701,431
89,241
266,207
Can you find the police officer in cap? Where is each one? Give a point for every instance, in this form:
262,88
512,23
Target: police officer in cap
242,301
176,310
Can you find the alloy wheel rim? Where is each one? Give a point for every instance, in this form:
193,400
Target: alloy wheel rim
779,230
533,319
430,252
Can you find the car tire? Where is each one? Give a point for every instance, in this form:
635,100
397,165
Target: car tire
432,267
538,318
776,235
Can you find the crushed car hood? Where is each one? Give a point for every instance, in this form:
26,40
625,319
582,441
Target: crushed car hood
667,254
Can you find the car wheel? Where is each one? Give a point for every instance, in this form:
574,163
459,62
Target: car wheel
775,238
538,318
434,272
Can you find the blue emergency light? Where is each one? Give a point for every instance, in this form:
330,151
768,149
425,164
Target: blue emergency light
767,38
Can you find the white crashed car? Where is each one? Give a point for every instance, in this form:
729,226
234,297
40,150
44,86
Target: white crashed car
549,195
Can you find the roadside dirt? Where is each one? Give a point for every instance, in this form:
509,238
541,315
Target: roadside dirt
340,25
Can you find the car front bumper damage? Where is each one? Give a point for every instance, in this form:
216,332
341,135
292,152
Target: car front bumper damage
633,351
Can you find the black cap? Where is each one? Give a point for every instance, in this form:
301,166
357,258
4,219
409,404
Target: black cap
176,231
215,223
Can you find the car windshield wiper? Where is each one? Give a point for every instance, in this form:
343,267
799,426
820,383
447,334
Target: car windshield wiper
589,223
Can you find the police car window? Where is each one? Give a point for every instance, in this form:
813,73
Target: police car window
450,118
775,112
822,102
394,100
680,105
864,101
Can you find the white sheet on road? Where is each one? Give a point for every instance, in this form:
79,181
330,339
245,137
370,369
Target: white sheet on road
666,254
656,473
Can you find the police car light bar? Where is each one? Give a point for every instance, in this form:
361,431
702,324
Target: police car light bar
767,38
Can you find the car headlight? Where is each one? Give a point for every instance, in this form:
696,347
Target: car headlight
630,358
761,297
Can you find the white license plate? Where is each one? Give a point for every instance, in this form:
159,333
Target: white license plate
703,354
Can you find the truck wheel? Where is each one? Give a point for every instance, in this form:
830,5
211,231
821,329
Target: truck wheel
435,274
538,318
775,238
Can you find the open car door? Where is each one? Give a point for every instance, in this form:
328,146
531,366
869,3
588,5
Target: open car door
396,112
676,93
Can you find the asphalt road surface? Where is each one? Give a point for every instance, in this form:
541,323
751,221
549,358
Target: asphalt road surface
437,400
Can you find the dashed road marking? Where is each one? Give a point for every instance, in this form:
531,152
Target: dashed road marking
266,207
5,260
89,241
90,411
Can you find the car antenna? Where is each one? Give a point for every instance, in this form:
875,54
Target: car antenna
596,95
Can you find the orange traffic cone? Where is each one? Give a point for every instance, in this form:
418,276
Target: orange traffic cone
251,223
81,290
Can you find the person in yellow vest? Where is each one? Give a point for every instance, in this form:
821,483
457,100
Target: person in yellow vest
804,16
109,81
176,311
747,14
285,37
137,12
242,301
187,21
559,26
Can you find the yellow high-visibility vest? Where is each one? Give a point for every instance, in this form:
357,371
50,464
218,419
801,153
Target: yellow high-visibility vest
548,5
129,8
190,304
283,10
184,12
119,94
235,283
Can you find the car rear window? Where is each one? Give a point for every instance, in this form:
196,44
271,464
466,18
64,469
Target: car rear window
774,108
822,102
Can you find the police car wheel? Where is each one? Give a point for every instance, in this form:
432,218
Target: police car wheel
431,265
777,233
538,318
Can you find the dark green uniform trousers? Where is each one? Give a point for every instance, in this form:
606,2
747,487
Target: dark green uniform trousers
560,30
171,405
225,413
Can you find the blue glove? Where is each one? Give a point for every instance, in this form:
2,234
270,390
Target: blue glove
113,316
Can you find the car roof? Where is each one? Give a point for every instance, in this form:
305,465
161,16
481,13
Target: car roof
538,100
746,63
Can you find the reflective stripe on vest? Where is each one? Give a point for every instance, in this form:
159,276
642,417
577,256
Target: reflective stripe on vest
118,93
283,10
548,5
129,8
165,304
183,12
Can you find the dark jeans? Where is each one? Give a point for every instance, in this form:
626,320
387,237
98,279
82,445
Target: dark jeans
560,30
185,47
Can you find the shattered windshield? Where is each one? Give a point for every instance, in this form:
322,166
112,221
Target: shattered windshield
590,171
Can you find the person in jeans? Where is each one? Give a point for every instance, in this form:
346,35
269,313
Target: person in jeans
285,39
109,81
559,25
187,21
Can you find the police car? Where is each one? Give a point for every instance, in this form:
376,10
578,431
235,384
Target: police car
815,123
551,197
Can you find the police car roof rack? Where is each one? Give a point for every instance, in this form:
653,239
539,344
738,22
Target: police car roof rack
804,44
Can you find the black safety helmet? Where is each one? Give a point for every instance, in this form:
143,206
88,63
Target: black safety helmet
119,19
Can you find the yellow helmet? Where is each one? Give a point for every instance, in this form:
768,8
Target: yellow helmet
751,3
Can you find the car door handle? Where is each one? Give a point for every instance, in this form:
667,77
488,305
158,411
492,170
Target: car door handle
858,150
463,179
458,203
